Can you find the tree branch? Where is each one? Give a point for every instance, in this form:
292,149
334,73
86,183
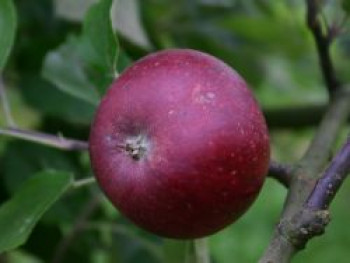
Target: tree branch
303,215
329,184
314,216
319,151
323,41
46,139
281,172
296,222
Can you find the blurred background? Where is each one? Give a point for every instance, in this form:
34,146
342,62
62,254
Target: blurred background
267,42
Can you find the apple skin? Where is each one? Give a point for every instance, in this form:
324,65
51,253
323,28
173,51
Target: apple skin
179,145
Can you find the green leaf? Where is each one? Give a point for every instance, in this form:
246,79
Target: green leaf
131,246
97,28
346,6
84,66
176,251
267,33
8,24
19,215
45,98
22,160
64,68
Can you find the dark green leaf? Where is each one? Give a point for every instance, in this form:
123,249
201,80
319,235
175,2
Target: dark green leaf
64,67
124,61
130,247
8,23
24,159
176,251
346,6
45,98
19,215
98,30
84,66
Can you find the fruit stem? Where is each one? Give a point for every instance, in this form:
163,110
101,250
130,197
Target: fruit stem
201,250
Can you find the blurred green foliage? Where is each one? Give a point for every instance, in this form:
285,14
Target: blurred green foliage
7,28
59,68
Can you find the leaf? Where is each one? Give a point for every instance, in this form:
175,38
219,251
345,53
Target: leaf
8,24
97,28
132,247
45,98
124,61
64,67
267,33
19,215
176,251
22,160
346,6
84,66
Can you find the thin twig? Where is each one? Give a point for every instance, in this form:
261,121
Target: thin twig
46,139
323,41
329,184
5,105
281,172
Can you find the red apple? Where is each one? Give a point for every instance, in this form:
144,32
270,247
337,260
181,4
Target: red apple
179,144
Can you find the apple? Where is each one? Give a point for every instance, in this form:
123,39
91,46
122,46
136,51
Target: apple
179,144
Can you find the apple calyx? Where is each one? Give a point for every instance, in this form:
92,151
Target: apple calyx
136,146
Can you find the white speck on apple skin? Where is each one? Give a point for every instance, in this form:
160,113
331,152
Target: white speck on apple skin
220,169
234,172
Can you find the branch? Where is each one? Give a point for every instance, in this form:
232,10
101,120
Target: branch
319,151
46,139
314,216
329,184
323,41
281,172
296,222
5,104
